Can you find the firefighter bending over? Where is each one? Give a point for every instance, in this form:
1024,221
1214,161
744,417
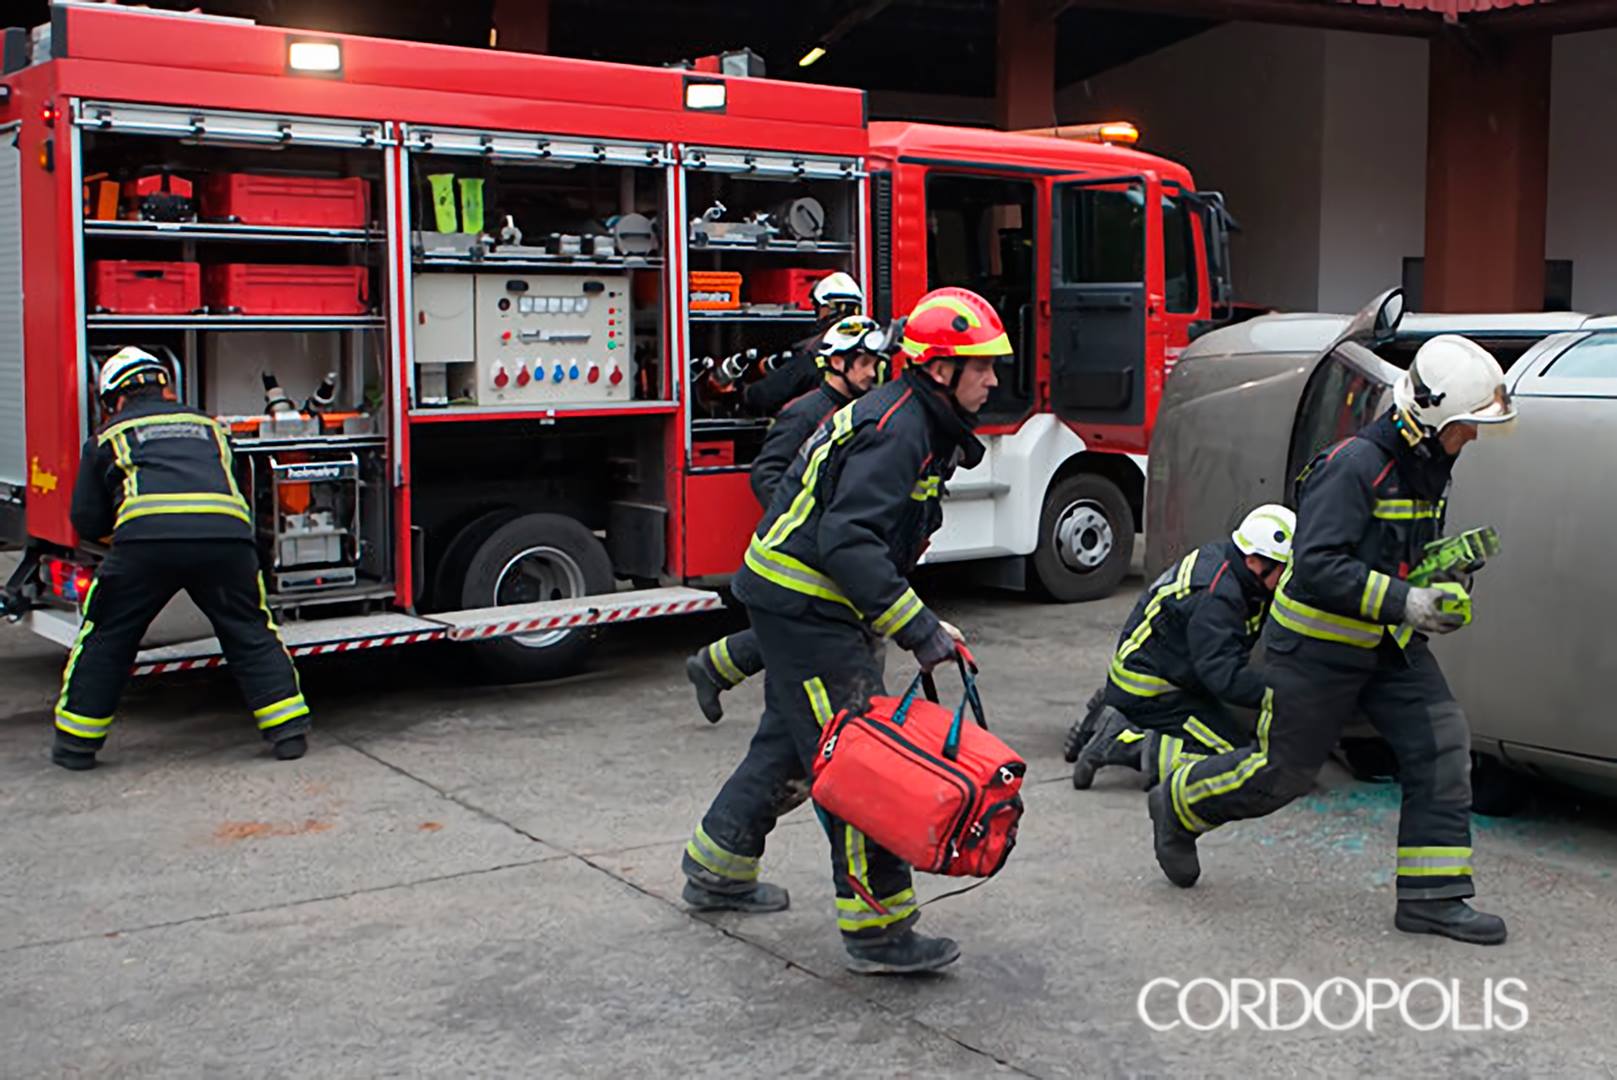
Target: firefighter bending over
826,568
1348,632
836,296
849,359
1182,658
158,480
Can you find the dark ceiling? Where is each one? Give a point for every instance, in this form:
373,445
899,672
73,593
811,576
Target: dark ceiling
927,46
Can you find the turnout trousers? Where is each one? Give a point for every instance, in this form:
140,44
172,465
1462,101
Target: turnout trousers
1175,729
131,587
1316,688
815,666
733,659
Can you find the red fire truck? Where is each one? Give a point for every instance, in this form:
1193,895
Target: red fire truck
458,309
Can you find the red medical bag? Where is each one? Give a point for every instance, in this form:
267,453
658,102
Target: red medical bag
942,795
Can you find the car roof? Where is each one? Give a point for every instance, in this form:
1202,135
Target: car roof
1310,332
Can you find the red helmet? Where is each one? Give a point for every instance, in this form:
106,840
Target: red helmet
953,323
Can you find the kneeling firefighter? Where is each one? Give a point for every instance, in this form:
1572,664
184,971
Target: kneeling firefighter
826,569
1348,632
1182,658
158,478
849,361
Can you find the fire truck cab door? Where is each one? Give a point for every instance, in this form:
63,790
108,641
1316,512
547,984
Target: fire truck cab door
1101,297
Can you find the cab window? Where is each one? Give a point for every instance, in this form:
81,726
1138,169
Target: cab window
1103,234
1179,257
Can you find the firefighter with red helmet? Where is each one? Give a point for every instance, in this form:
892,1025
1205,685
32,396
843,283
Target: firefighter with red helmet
850,361
825,569
159,480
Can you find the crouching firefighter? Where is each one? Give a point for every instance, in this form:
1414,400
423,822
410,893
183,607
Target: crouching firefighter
1348,632
158,480
850,362
825,569
1182,658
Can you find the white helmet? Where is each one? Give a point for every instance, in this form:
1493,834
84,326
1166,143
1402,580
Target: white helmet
129,367
1267,532
838,288
854,332
1453,379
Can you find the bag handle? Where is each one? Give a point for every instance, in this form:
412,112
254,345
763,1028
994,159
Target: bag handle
924,681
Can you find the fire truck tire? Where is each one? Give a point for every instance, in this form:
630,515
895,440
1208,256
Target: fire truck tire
1086,540
449,569
532,558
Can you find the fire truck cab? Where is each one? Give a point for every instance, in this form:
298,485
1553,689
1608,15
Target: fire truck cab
463,314
1104,262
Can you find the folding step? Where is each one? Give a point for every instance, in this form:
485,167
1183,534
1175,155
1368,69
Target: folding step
316,637
478,623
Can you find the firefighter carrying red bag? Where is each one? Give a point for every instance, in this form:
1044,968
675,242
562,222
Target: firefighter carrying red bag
942,795
823,576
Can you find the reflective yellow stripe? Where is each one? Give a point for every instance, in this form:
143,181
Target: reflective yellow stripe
853,845
1133,682
803,503
928,487
1178,588
1434,862
85,628
789,573
819,701
1403,634
137,506
853,914
1375,591
1266,716
1323,625
719,653
280,712
124,426
121,455
1408,509
1207,736
226,460
1181,807
1130,735
711,856
898,616
81,726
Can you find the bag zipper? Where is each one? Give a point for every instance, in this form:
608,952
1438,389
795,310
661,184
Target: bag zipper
966,785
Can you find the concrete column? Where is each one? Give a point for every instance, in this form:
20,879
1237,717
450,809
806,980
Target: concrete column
1487,174
1025,65
522,25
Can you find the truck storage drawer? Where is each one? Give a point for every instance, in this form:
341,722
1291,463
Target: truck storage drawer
272,289
126,287
254,199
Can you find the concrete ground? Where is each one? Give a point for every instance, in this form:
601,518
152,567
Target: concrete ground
468,880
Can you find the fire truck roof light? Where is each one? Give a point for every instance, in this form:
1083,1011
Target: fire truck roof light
314,57
811,56
705,96
1120,132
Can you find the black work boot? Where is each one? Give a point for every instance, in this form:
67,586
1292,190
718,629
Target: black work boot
1175,845
290,748
906,953
1104,748
69,758
707,688
1084,727
707,891
1451,919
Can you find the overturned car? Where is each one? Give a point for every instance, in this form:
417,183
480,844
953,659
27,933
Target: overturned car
1248,406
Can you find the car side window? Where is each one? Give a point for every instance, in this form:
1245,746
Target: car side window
1595,357
1341,397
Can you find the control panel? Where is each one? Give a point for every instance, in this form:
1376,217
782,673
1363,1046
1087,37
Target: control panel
542,339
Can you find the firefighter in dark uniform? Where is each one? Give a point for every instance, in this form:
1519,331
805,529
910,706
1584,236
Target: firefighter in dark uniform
849,358
1182,658
158,480
1348,632
836,296
827,567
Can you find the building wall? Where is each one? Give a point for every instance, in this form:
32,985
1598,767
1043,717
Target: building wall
1373,177
1249,128
1582,224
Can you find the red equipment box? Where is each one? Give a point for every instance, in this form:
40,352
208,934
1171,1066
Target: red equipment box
786,285
254,199
715,290
125,287
272,289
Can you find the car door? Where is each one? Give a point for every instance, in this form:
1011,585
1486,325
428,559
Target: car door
1350,387
1536,666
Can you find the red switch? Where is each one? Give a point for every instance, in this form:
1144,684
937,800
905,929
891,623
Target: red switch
616,376
500,377
505,337
594,373
522,375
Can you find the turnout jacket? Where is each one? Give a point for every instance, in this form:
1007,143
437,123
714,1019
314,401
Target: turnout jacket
856,509
794,375
1366,508
1194,629
793,425
159,470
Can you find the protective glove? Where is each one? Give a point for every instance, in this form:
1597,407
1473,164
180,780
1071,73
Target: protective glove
1441,609
935,649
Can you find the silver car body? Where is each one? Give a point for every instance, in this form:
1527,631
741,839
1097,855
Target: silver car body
1248,405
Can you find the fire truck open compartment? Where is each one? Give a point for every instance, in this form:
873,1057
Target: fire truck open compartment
250,250
762,228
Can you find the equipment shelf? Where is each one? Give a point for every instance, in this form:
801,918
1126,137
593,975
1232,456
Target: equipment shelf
197,230
234,322
744,315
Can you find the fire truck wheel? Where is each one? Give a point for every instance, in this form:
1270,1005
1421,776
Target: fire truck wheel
536,557
449,571
1086,540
